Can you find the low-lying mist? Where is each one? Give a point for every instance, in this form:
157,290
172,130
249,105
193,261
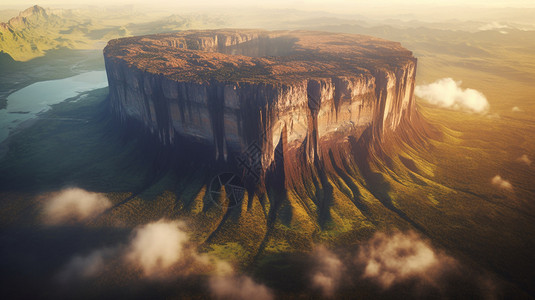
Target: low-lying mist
160,257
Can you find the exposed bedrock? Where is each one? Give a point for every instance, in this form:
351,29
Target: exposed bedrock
230,89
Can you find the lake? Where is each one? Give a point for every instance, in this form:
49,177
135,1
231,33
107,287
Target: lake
27,102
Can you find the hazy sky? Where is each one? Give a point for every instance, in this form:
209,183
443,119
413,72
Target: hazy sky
422,10
319,4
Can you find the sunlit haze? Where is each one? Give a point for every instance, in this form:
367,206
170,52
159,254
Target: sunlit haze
519,11
336,5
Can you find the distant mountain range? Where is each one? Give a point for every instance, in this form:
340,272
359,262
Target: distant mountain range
37,30
34,31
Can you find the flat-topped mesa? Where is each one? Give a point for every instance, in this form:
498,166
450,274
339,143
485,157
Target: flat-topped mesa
231,89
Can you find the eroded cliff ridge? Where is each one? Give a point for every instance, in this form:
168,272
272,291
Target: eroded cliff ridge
230,89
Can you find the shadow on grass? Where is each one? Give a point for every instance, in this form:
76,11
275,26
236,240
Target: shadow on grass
375,181
77,143
32,258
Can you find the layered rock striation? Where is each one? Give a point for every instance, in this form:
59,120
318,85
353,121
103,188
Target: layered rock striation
230,89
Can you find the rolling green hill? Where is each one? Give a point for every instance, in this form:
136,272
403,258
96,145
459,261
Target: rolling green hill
35,31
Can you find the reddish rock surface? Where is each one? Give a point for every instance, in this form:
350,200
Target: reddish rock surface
233,88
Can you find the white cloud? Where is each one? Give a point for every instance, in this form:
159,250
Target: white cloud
501,183
86,266
238,287
516,109
448,93
157,246
328,271
525,159
154,248
161,250
74,204
393,259
492,26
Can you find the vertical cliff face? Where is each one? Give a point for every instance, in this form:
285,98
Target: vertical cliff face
230,90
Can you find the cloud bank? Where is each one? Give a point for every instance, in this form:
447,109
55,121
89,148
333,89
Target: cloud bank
328,271
157,246
448,93
386,263
390,262
162,251
525,160
238,287
493,26
74,205
86,266
501,183
154,248
394,259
